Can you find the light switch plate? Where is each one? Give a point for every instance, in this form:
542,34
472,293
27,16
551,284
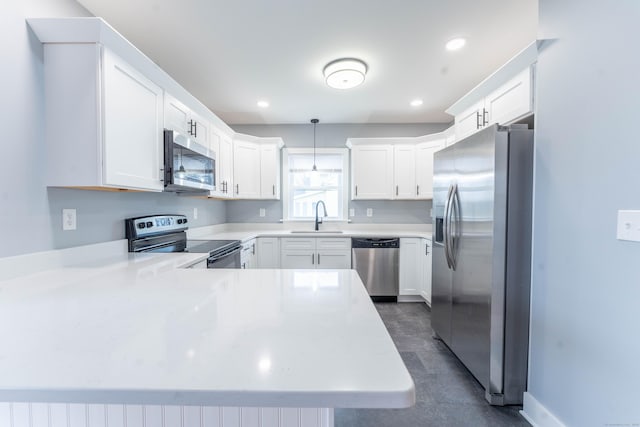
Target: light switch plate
263,212
369,212
629,226
69,219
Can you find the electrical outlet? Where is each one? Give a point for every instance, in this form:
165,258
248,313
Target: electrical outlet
369,212
352,212
195,213
69,219
263,212
628,226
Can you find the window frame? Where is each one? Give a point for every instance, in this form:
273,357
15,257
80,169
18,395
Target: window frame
286,187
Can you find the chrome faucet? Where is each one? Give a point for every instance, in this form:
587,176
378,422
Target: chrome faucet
319,220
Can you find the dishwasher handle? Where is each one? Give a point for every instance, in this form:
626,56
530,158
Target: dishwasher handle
375,243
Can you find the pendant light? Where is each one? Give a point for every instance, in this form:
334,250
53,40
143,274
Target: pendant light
315,122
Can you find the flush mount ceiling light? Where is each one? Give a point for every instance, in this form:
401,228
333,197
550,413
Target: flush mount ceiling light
455,44
416,102
263,104
345,73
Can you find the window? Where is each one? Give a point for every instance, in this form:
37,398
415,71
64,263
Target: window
303,188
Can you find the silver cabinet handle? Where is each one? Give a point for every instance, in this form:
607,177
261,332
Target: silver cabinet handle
356,190
237,188
253,249
426,251
318,259
313,257
485,114
478,125
417,190
396,190
274,189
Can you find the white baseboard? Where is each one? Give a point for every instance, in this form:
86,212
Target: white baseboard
537,415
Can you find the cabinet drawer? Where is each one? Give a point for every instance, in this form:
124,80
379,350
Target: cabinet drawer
298,243
333,243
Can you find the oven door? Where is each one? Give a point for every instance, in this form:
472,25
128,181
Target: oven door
188,166
228,259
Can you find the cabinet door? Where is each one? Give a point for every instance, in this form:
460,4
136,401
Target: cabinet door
410,266
511,101
404,172
470,121
268,252
225,167
176,115
424,167
269,171
372,172
333,259
133,127
425,250
246,170
298,259
200,130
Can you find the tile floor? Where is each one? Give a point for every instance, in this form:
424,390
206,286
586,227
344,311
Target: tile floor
446,393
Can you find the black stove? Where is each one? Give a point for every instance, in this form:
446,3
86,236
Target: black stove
167,233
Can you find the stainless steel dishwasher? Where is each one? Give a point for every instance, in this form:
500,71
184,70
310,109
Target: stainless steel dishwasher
377,262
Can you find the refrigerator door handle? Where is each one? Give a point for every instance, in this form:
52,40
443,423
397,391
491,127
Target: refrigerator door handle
446,226
454,226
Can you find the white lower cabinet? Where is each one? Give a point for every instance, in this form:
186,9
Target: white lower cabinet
415,269
268,252
426,255
248,256
315,252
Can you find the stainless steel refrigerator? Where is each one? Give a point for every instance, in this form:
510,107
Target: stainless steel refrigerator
482,198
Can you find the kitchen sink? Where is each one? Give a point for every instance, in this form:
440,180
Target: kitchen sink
314,232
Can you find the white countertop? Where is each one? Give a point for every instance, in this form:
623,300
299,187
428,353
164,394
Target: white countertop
248,232
138,329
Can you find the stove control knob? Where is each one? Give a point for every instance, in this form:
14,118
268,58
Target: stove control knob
179,221
184,221
149,224
141,225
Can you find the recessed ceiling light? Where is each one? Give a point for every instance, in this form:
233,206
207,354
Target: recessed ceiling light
263,104
416,102
345,73
455,44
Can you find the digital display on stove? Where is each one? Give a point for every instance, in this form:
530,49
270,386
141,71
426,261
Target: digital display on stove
164,221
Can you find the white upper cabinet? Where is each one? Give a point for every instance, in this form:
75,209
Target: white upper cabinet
246,169
179,118
404,171
372,171
424,166
256,167
224,167
270,171
511,101
505,97
104,120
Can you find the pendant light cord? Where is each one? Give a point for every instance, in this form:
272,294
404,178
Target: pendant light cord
314,121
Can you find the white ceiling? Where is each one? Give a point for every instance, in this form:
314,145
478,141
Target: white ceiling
230,54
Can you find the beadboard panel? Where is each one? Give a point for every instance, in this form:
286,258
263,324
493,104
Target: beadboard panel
18,414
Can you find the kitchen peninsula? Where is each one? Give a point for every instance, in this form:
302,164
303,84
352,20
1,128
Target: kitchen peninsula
135,338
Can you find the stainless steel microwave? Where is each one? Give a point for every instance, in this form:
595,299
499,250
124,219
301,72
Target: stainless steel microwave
188,166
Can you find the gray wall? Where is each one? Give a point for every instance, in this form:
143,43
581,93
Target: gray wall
30,213
335,135
586,284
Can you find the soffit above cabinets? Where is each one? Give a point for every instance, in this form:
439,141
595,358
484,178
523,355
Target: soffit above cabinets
232,54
